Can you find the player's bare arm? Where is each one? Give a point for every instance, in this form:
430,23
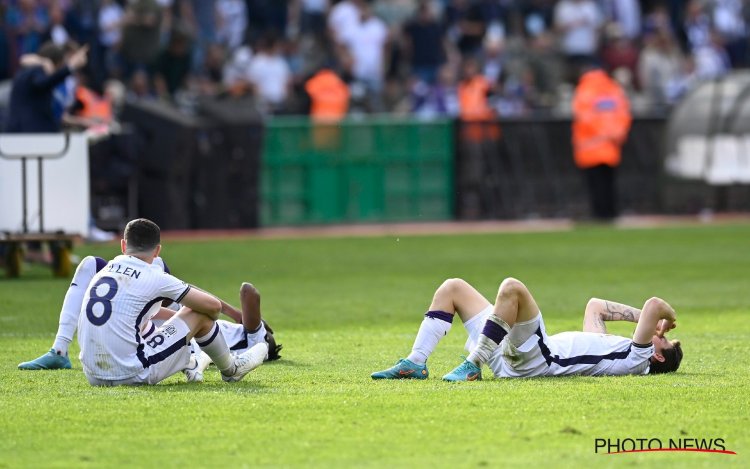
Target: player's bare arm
203,303
657,317
599,311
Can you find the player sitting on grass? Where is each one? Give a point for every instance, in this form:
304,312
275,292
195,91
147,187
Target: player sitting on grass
249,330
119,346
511,339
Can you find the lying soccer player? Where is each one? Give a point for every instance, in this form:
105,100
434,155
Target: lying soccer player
511,339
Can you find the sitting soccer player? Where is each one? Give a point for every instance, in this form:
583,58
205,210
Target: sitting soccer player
511,339
119,343
249,330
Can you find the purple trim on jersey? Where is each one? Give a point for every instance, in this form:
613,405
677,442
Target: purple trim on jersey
166,353
139,347
150,331
494,331
642,345
166,269
179,298
579,359
210,339
442,315
100,263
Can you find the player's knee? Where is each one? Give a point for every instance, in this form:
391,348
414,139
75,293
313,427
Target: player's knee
510,286
452,285
249,290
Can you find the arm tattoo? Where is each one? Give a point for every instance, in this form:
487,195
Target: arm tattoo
612,313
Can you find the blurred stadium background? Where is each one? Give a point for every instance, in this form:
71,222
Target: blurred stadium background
227,114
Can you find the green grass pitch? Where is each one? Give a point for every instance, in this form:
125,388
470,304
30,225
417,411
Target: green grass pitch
346,307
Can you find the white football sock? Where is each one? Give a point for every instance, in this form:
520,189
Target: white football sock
495,329
434,327
72,304
216,347
258,336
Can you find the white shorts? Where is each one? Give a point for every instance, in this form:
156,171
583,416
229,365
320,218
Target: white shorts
519,354
166,350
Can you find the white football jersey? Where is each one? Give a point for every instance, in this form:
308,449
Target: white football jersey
591,353
121,299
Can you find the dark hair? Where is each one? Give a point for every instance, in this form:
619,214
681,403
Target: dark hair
53,52
142,235
672,359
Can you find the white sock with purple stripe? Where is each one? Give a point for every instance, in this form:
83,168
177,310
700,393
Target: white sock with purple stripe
434,327
495,329
216,347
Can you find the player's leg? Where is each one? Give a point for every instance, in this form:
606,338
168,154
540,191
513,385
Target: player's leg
453,296
251,317
210,339
57,357
514,304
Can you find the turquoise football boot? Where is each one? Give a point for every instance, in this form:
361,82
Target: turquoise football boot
466,371
403,369
49,361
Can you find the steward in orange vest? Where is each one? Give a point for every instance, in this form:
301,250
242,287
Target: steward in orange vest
601,120
477,117
329,96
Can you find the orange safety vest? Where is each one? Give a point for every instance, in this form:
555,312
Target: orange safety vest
94,106
601,120
478,117
329,96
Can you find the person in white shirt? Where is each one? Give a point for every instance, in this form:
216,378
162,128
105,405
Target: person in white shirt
579,24
120,346
510,337
269,73
367,43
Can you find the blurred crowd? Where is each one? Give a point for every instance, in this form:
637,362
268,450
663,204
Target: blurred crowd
422,57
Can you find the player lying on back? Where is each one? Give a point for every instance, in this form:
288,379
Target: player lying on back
511,339
248,330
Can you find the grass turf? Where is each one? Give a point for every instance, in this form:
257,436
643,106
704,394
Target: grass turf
346,307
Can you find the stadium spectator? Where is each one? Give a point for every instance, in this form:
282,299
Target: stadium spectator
510,337
140,35
601,121
626,14
110,20
231,20
173,64
31,100
56,32
578,23
27,21
367,43
729,21
466,25
343,16
659,65
619,52
269,74
436,100
313,16
424,43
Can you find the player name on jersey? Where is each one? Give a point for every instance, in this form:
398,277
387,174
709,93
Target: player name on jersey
129,271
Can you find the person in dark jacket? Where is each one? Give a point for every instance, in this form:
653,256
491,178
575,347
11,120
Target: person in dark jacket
31,98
